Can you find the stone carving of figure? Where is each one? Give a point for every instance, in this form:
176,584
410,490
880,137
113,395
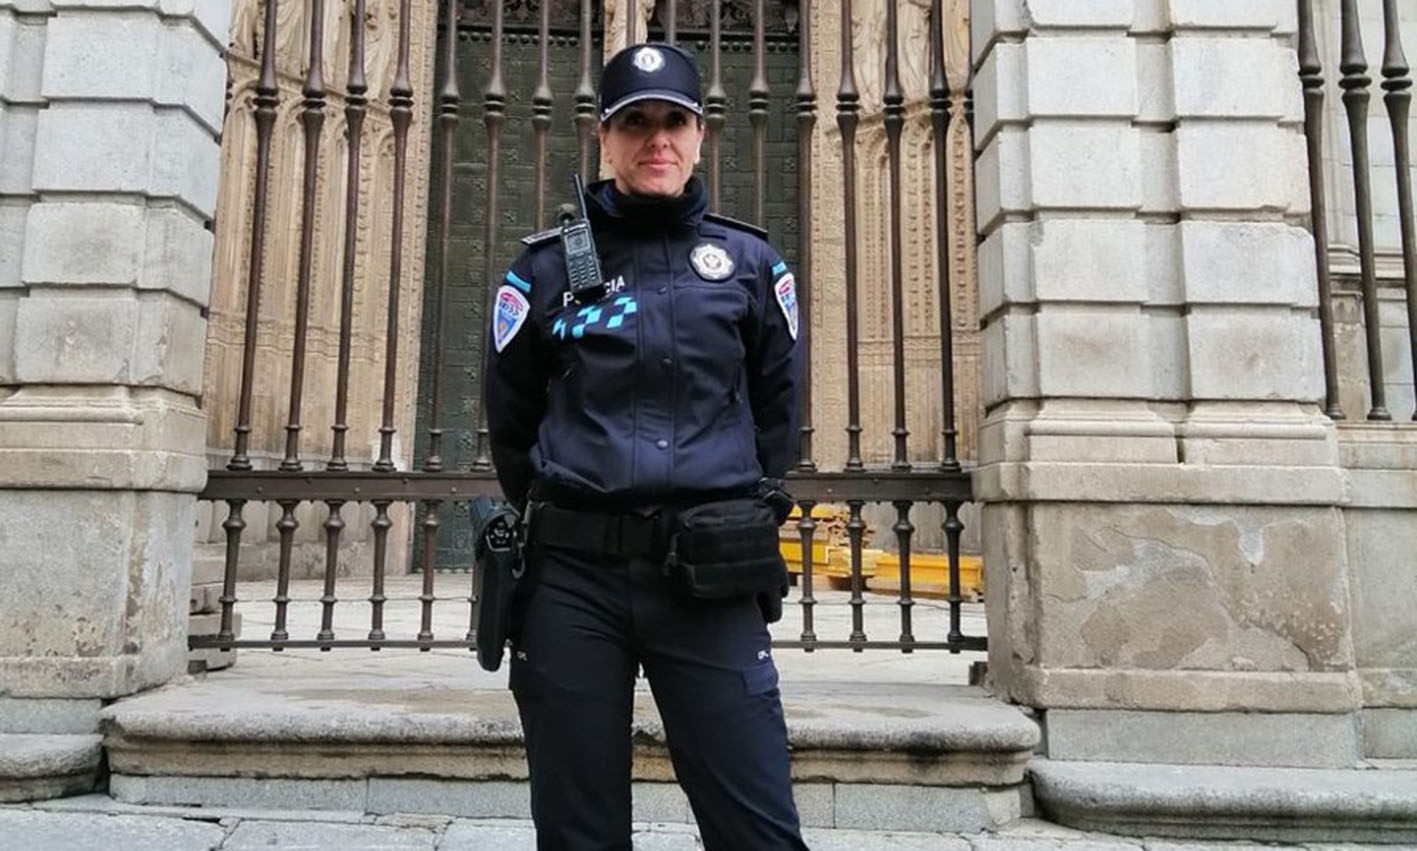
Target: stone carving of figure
868,29
246,27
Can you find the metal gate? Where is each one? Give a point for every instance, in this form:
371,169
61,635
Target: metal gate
433,485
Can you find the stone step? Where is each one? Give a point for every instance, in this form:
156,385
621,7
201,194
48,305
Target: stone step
1223,802
35,766
924,758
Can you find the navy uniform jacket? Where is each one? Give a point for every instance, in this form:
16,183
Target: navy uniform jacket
680,383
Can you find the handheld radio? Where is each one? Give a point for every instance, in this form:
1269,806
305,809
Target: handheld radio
582,264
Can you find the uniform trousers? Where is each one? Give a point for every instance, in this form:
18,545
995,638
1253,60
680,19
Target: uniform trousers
591,622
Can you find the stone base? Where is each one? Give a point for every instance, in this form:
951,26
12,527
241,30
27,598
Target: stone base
49,717
1204,738
1390,733
35,767
860,806
1210,802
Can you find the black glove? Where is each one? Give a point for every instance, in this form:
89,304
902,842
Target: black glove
772,492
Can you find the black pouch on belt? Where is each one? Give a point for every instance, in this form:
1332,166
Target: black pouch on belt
497,546
725,549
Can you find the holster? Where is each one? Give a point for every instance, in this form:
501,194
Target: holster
496,576
727,548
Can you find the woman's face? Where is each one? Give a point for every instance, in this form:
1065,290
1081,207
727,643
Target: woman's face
652,147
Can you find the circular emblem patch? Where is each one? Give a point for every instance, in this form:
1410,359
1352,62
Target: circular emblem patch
648,60
711,261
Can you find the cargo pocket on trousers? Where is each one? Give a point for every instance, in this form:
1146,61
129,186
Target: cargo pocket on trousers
761,679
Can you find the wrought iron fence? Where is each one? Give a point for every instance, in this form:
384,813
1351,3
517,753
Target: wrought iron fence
1357,84
903,484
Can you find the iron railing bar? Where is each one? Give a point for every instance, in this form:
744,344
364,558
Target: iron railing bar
671,23
233,526
1311,78
806,122
312,119
334,525
430,557
855,530
354,109
541,103
715,105
904,529
285,527
1355,83
1397,83
460,486
847,107
758,113
266,100
208,642
940,124
381,525
585,95
401,116
953,527
806,528
447,123
494,98
893,109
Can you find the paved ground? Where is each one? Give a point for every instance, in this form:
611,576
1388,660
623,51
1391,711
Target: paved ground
95,822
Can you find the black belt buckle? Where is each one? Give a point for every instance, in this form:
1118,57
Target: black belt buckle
631,535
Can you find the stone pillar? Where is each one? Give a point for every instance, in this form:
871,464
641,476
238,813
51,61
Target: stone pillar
1163,540
108,176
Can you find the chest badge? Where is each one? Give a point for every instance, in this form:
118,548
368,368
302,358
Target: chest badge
711,262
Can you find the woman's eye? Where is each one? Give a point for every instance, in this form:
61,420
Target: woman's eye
676,119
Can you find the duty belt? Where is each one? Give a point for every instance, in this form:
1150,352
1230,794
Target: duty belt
615,535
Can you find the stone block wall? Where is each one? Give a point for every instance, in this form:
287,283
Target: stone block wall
109,115
1162,521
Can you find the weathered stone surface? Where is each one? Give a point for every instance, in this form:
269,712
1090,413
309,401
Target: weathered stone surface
108,438
1390,733
83,243
483,836
860,840
46,716
261,835
1220,738
1166,587
36,831
1380,548
106,618
911,808
466,799
1230,165
816,803
1271,804
44,766
241,792
1264,354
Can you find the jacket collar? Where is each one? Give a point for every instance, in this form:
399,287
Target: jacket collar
608,206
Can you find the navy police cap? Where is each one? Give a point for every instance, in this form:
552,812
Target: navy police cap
651,71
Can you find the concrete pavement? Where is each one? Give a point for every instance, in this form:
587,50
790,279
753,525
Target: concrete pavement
97,822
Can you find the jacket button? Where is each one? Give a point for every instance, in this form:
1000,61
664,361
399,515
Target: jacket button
662,444
666,362
663,290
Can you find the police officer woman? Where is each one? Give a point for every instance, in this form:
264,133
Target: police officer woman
617,413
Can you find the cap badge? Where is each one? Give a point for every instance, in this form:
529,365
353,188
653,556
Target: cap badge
648,60
711,261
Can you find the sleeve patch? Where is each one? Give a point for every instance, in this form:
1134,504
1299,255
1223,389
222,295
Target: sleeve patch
779,268
514,280
786,292
508,316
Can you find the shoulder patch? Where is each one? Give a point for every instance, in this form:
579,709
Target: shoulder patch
509,314
536,240
736,225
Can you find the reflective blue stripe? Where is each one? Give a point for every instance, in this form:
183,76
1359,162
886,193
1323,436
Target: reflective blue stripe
517,282
776,270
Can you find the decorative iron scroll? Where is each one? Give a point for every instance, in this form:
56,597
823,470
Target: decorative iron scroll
780,17
565,14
